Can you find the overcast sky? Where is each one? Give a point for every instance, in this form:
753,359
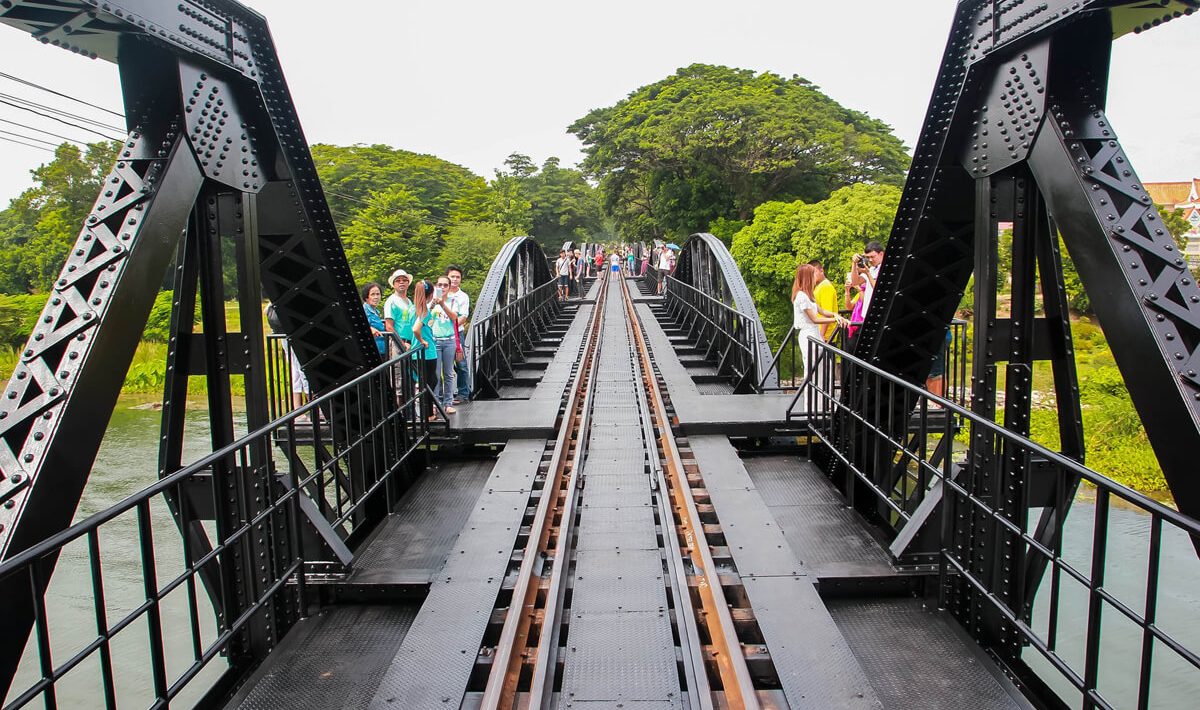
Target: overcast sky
473,81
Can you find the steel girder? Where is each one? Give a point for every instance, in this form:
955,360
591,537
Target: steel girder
706,264
1016,132
209,113
1011,77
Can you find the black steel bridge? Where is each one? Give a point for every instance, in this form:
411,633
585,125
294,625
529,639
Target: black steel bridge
646,506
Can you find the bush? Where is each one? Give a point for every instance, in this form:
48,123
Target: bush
18,315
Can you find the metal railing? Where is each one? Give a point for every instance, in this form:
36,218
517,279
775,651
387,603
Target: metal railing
788,363
500,341
729,337
264,495
1036,586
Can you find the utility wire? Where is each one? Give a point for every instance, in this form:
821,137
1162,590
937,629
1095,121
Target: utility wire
61,112
42,130
35,85
427,220
27,145
29,138
55,118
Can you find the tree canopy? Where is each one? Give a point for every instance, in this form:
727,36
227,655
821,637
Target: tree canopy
784,235
41,224
714,142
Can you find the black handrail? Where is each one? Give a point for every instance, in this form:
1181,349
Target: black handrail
371,416
730,336
905,462
500,340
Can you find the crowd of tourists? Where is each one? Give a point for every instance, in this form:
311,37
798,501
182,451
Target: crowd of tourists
815,305
431,324
574,264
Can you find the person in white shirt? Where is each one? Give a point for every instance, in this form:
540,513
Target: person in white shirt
807,316
459,302
614,266
562,269
666,262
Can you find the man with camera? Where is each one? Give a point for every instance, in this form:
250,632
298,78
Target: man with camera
864,271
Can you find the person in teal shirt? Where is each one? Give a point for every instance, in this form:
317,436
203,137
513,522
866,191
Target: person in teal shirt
399,313
424,346
442,326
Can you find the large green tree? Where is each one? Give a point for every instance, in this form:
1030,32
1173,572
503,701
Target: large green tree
41,224
714,142
349,174
390,233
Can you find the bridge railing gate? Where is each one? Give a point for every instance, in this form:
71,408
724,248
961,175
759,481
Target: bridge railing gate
299,468
1053,596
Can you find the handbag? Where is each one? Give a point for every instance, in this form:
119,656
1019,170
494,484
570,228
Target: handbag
459,355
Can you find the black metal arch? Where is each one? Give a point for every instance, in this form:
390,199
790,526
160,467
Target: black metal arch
518,269
705,264
513,295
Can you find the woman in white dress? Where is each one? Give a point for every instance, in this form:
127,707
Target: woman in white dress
807,316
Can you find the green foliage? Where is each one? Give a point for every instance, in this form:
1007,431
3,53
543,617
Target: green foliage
390,233
763,252
784,235
725,229
713,142
350,174
472,246
18,315
158,325
1176,224
41,224
1077,298
834,229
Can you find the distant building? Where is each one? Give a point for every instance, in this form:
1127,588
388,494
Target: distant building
1181,196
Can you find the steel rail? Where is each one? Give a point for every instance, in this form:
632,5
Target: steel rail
690,642
501,688
727,653
542,681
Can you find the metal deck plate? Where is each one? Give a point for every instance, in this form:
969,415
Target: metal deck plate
412,542
619,658
698,413
618,580
332,660
816,667
785,480
828,539
917,658
435,661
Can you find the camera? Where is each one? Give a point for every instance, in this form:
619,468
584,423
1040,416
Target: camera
861,261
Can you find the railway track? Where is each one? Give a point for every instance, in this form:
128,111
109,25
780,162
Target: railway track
621,551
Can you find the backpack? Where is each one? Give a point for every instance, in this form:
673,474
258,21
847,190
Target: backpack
273,320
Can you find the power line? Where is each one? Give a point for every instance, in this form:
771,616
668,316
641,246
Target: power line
428,220
29,138
26,82
27,145
55,118
42,130
61,112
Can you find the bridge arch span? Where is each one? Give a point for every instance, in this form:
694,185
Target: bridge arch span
518,286
705,264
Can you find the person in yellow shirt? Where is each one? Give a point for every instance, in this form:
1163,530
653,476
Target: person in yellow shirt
826,297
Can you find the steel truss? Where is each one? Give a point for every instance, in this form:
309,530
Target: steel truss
1016,132
215,153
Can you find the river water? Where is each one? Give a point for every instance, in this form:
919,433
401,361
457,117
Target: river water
127,463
